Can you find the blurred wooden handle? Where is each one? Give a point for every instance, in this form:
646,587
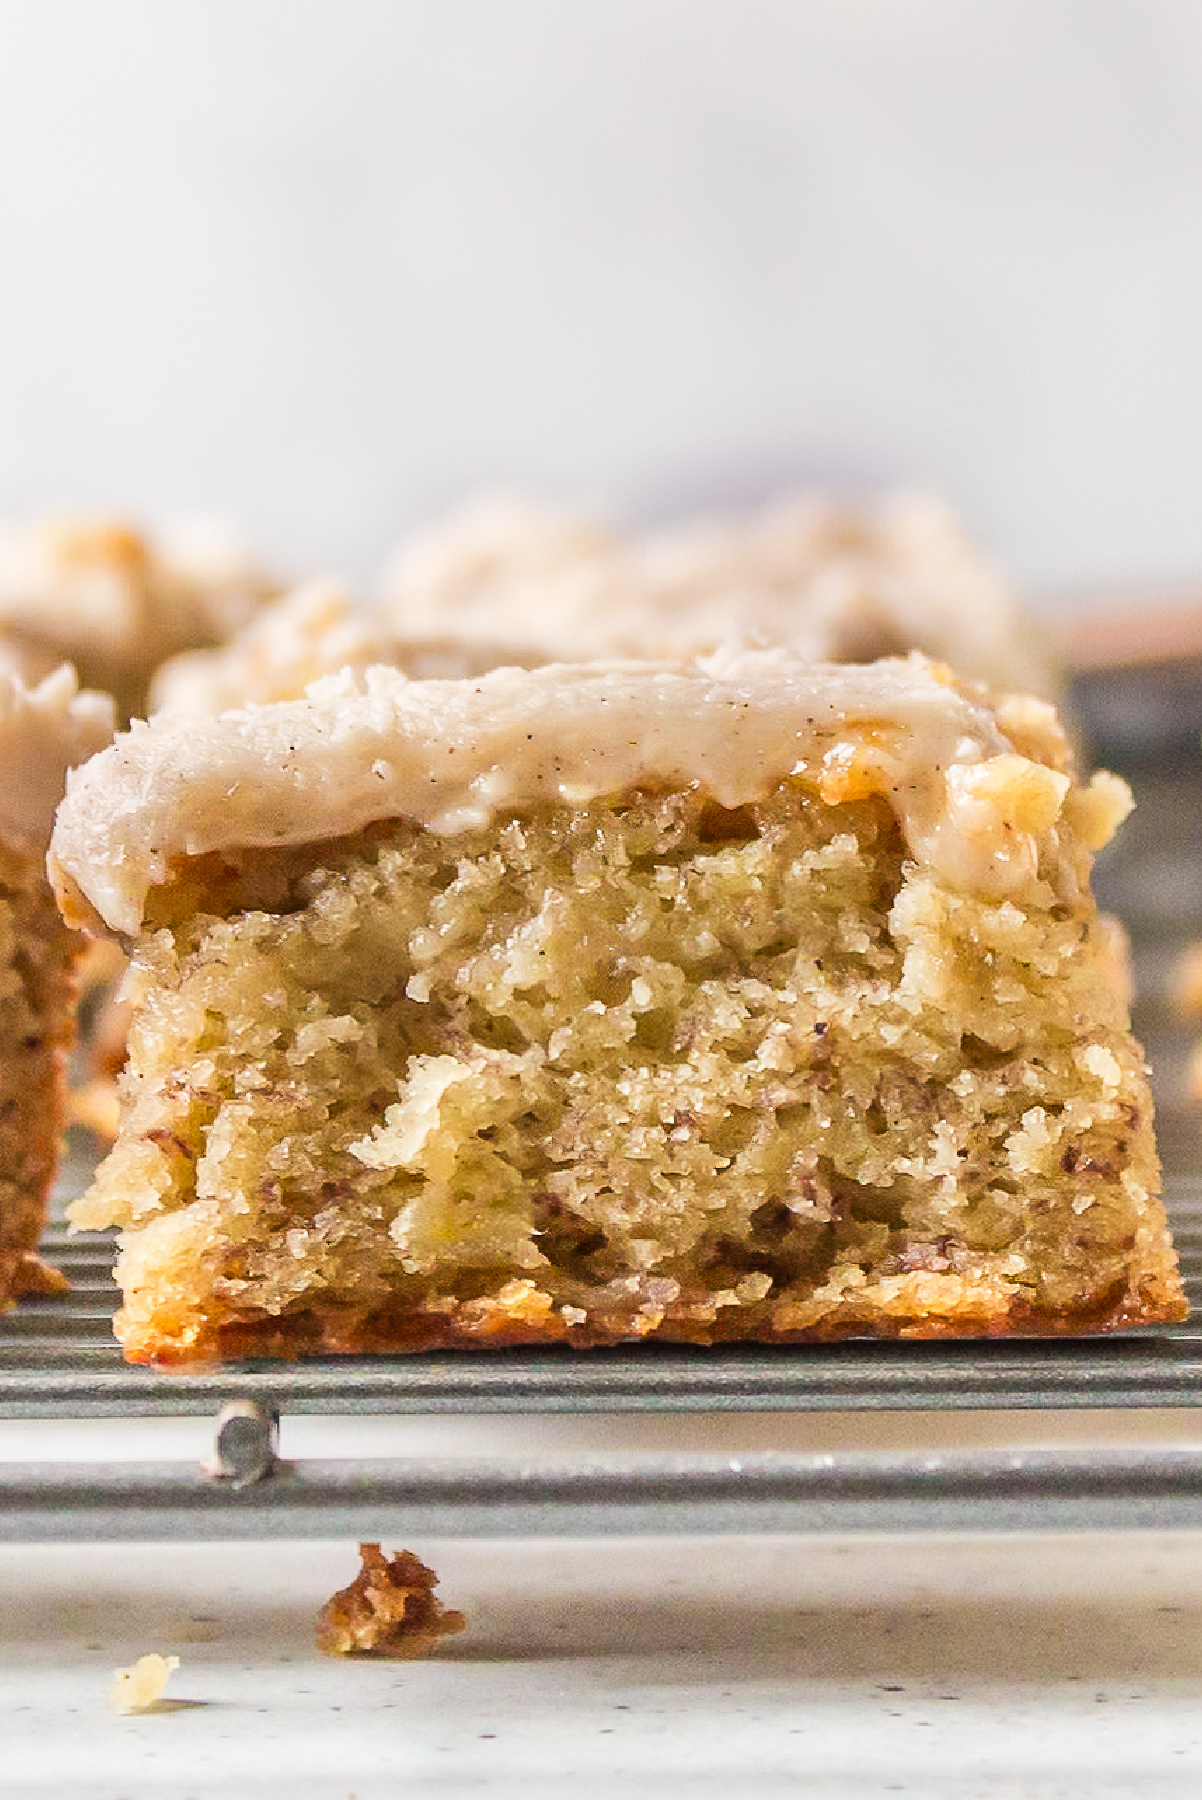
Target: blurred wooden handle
1134,631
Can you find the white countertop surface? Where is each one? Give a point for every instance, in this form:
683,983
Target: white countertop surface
1024,1667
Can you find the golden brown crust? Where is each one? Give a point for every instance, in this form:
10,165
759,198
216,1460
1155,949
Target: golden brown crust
346,1331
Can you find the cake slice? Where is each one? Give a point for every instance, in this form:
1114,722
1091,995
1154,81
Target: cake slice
43,732
744,999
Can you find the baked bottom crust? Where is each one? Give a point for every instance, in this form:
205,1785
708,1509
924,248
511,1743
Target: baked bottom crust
534,1322
646,1068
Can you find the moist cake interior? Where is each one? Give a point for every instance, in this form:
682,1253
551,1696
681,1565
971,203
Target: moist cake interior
644,1065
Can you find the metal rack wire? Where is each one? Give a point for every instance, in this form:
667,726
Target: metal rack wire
58,1358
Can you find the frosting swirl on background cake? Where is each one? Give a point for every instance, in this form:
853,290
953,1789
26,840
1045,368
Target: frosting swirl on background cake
114,601
834,580
510,581
44,731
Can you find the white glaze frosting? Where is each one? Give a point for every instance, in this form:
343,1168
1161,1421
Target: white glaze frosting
451,755
44,731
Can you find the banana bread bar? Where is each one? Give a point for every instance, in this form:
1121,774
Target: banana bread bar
43,731
738,999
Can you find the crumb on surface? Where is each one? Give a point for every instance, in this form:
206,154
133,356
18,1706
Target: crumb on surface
389,1610
139,1688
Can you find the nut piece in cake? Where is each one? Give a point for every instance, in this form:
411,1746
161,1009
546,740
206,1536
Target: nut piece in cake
740,999
43,732
389,1610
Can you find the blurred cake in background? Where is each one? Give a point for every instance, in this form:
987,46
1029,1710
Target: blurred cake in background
835,581
315,629
115,602
507,581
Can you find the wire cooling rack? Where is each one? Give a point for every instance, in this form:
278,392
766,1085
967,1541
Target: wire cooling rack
58,1358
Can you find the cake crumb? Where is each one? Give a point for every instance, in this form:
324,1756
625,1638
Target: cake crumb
139,1688
389,1610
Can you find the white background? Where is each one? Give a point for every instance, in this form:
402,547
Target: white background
322,266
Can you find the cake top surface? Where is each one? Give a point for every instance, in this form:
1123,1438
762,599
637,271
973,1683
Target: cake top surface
451,755
44,731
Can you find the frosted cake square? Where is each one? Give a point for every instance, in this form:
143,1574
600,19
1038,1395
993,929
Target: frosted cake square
43,731
745,999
